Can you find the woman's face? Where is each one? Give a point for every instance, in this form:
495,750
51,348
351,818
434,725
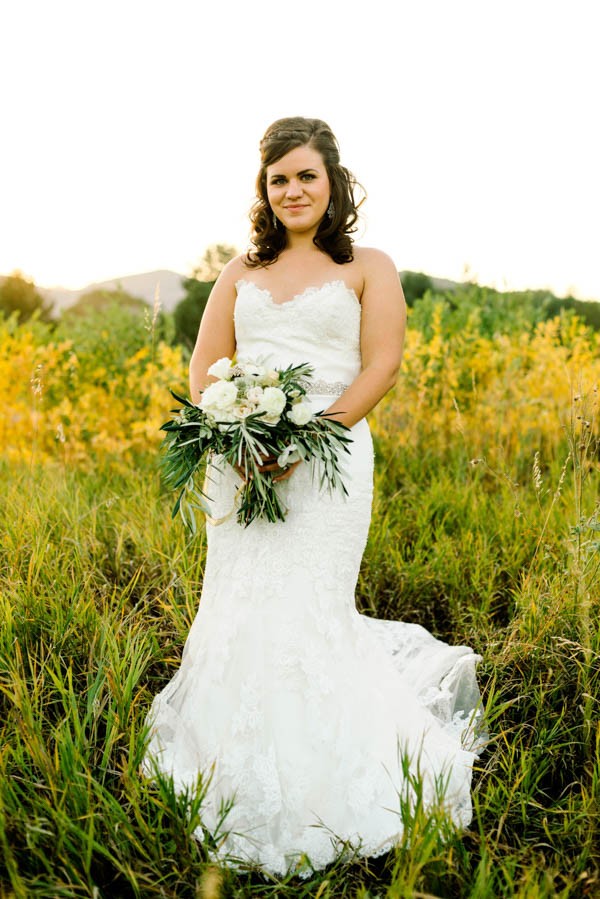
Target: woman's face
298,189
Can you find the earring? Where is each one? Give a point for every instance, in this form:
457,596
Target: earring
275,221
330,209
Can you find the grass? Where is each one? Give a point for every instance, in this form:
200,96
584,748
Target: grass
487,537
99,588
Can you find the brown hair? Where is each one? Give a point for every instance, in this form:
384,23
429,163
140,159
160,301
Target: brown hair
333,234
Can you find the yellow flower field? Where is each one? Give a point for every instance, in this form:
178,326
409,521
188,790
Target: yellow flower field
497,398
53,414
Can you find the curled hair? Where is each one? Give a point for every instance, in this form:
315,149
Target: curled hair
333,234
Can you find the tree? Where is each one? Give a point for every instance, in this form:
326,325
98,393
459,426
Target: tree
415,285
189,310
17,294
99,299
123,321
214,261
587,310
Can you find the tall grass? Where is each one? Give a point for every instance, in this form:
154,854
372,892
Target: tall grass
485,529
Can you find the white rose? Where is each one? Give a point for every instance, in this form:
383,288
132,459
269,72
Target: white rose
221,369
254,395
243,410
270,377
272,402
252,369
218,396
300,414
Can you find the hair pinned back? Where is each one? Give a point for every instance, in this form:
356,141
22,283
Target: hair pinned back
333,234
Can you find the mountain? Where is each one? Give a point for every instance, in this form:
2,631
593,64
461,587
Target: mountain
143,286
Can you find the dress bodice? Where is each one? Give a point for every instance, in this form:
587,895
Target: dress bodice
320,326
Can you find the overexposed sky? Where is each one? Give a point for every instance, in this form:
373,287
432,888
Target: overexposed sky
130,130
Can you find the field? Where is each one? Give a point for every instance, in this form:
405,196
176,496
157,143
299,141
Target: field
486,529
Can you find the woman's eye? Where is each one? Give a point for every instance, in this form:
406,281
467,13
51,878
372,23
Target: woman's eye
278,181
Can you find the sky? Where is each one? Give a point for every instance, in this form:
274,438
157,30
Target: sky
130,131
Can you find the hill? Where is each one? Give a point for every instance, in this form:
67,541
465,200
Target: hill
142,285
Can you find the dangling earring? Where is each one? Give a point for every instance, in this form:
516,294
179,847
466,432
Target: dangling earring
330,209
275,221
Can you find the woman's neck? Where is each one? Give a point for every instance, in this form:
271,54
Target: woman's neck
301,242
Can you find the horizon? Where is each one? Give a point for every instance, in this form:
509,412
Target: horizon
434,277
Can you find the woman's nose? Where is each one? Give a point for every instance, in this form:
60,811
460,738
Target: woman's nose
294,188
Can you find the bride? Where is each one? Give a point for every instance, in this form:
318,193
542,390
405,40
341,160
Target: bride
312,725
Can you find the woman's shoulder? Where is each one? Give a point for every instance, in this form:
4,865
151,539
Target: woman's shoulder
380,277
374,265
235,269
232,272
371,258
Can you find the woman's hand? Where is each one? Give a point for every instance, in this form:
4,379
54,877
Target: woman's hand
269,464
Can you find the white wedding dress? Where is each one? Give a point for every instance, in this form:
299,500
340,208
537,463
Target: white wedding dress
294,704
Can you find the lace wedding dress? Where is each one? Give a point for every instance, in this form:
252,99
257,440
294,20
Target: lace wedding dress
290,701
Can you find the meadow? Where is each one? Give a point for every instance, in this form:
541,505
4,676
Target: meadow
486,530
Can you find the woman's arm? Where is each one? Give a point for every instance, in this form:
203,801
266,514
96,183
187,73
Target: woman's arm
383,326
216,336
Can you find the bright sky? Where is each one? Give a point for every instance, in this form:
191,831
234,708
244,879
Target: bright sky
131,129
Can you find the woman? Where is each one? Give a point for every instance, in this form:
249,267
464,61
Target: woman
295,706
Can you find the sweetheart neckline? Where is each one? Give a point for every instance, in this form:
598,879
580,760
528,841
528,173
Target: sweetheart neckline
310,290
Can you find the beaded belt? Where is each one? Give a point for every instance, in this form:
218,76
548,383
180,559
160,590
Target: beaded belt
326,388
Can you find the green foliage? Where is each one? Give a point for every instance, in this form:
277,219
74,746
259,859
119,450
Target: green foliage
101,299
415,285
587,310
480,310
19,295
110,330
471,308
188,312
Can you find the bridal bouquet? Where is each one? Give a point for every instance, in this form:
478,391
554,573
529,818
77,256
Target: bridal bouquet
250,414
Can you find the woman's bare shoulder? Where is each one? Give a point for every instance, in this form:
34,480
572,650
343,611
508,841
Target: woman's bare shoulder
224,289
370,259
235,269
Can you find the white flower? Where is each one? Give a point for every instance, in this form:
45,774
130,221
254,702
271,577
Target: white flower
254,395
218,397
221,369
242,410
252,369
300,414
288,456
272,402
270,377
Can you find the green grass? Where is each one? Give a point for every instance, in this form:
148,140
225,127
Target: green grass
99,588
